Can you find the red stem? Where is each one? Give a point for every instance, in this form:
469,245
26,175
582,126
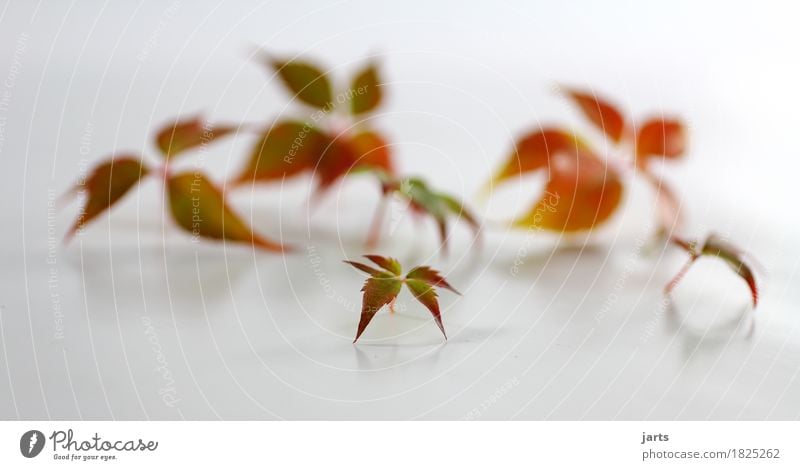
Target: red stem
377,222
675,280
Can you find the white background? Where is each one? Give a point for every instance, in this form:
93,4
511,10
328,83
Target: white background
246,335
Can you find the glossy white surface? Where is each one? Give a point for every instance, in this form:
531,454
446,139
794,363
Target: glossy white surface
132,321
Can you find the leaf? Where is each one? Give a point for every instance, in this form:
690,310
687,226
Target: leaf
107,184
437,205
427,297
307,82
363,267
285,150
179,136
389,264
662,138
534,151
372,152
199,208
384,285
431,276
602,114
582,193
337,160
717,247
457,207
365,91
378,291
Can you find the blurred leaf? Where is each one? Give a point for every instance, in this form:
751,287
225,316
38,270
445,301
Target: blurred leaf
365,90
719,248
372,152
716,246
435,204
384,285
337,160
305,81
534,151
582,193
199,208
106,185
174,138
661,138
602,114
457,208
288,148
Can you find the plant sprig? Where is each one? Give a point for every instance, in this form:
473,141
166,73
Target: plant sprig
385,282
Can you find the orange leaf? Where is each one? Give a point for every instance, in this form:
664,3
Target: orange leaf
372,151
337,159
662,138
582,193
199,208
534,151
602,114
174,138
107,184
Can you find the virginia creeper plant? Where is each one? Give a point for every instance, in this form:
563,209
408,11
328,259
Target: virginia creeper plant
588,188
384,285
337,141
196,204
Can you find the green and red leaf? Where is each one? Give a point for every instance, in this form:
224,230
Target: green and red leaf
426,295
378,291
199,208
430,276
107,184
384,285
435,204
389,264
285,150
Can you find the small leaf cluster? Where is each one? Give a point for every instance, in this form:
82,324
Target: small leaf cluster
384,284
196,204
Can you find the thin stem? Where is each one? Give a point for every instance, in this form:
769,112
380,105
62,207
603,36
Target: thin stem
675,280
377,222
